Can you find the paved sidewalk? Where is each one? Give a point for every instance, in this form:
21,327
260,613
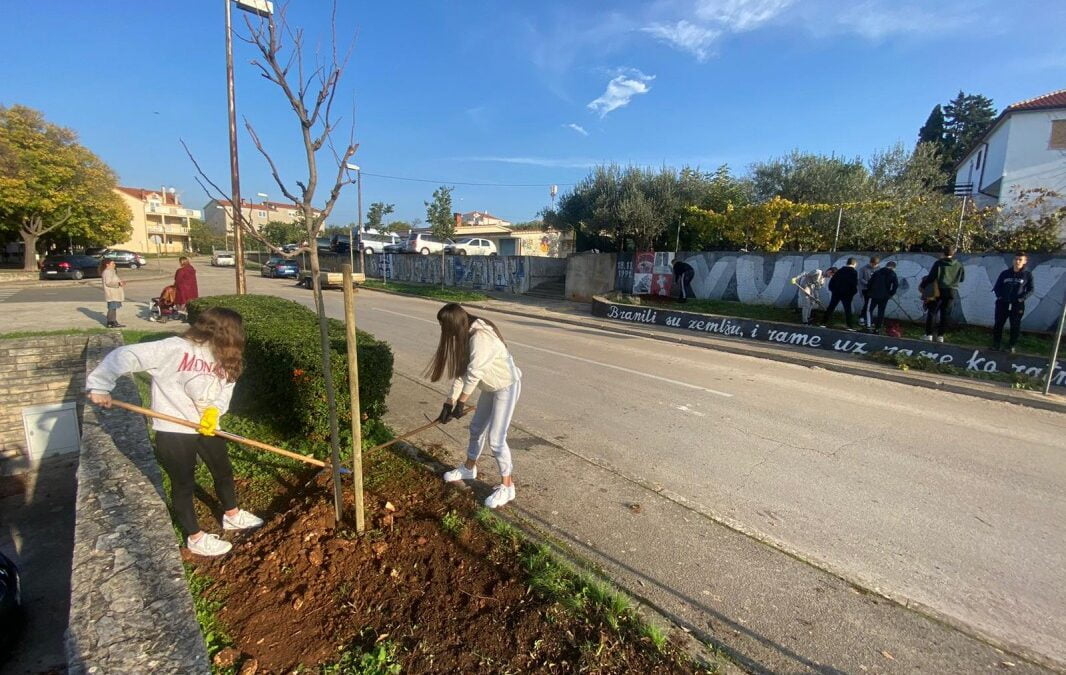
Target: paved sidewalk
772,612
577,314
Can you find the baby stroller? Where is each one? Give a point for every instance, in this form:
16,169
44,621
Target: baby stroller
163,309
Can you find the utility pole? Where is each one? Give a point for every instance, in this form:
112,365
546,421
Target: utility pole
1055,351
234,169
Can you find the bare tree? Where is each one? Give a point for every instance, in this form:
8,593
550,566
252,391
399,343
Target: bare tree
310,95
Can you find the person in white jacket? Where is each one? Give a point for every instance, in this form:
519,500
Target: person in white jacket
192,378
472,352
114,292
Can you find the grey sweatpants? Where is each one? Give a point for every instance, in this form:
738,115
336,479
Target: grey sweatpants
491,420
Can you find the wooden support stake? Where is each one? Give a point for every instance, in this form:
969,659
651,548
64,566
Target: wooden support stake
353,390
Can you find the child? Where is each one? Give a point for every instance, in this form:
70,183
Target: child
472,352
192,378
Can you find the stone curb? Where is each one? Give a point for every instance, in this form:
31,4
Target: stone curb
948,383
64,283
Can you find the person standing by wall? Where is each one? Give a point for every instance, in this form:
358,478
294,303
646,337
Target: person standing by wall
880,288
843,287
472,352
185,284
114,292
683,274
947,273
808,285
865,273
1013,287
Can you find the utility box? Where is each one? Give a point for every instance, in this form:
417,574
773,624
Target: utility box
51,429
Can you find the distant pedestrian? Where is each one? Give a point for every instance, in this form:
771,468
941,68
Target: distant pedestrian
472,353
809,284
865,273
683,274
882,285
114,293
1013,287
185,284
946,273
843,287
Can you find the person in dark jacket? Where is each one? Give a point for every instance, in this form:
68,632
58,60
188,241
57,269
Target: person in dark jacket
1014,286
882,285
683,274
842,288
947,273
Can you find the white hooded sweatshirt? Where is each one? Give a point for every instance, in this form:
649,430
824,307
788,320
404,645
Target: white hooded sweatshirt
186,379
491,366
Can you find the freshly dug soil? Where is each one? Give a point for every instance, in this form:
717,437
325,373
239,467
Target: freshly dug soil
298,592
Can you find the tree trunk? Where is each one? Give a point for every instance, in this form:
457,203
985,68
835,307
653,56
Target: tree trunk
29,258
327,372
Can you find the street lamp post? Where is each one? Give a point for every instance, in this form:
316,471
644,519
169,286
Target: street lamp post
260,8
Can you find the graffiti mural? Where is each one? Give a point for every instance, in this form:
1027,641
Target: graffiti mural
494,273
833,340
766,279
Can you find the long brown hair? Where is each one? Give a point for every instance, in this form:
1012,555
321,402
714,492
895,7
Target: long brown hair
222,330
453,350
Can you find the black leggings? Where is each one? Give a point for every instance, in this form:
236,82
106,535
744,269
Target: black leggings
177,454
835,300
876,315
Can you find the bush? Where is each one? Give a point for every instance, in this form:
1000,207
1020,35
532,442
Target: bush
282,381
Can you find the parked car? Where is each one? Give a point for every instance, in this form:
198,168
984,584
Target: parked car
325,244
370,244
95,251
124,258
12,618
223,259
70,267
289,248
471,246
419,242
281,267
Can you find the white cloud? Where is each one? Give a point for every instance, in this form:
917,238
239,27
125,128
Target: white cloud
875,21
685,36
560,163
620,91
578,128
740,15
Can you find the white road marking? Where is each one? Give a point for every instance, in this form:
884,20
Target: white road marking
583,360
690,411
6,293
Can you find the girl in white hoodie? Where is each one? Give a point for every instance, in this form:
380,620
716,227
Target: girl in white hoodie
472,352
192,378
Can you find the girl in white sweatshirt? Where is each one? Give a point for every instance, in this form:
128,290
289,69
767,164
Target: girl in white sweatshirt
472,352
192,378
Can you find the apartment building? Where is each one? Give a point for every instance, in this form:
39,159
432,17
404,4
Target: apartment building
218,214
160,222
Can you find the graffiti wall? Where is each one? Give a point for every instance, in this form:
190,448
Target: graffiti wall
507,274
766,279
838,341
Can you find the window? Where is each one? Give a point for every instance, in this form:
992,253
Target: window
262,214
1058,135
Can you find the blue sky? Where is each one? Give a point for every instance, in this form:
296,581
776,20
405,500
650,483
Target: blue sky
525,92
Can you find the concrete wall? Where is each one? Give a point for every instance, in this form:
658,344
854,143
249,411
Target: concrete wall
35,371
589,274
130,608
508,274
765,279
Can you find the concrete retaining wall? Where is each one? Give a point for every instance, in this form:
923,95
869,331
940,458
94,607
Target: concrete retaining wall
130,608
589,274
35,371
508,274
765,279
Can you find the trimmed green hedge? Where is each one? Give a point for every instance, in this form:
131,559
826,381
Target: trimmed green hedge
282,381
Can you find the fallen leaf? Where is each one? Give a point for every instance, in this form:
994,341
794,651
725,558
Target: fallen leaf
381,637
887,655
250,667
389,506
379,547
227,657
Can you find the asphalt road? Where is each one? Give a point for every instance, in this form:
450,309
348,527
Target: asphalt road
943,501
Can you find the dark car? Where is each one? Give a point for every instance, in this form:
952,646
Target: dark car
125,258
280,267
70,267
340,244
11,616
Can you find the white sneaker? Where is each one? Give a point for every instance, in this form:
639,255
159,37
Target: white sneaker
242,521
460,473
928,338
939,338
500,496
209,545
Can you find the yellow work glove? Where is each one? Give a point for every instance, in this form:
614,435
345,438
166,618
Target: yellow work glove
209,422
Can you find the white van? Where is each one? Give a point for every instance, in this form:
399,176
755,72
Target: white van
420,242
370,244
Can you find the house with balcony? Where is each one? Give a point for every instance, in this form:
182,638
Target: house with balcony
160,222
1025,149
218,214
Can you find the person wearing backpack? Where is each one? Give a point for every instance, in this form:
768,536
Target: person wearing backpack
882,285
947,273
1013,287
